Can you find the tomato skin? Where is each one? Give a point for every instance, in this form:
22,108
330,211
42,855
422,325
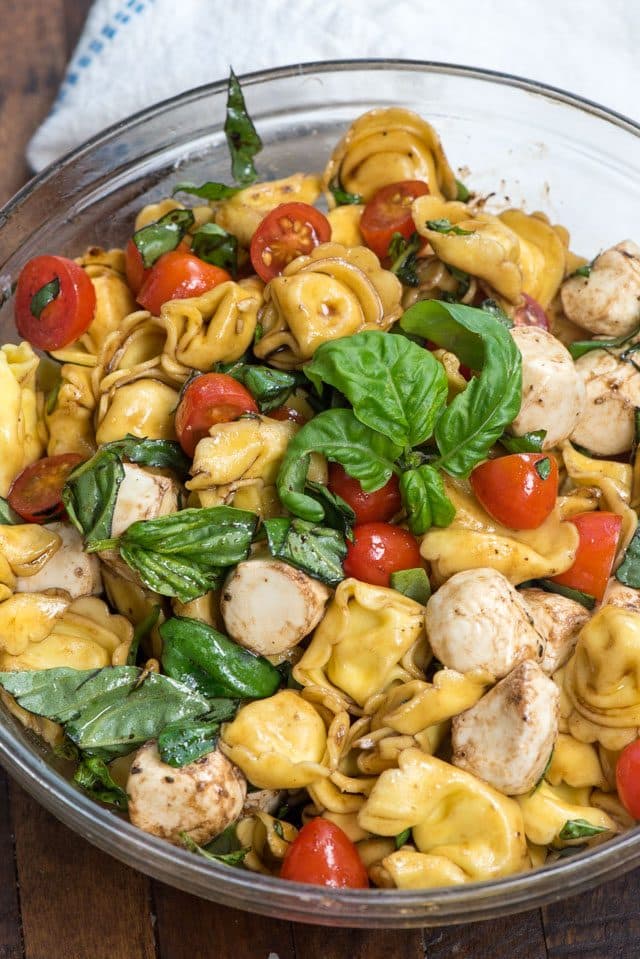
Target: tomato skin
288,231
68,316
381,505
513,492
323,855
176,276
36,493
284,413
378,550
388,212
628,778
206,400
531,314
599,534
134,267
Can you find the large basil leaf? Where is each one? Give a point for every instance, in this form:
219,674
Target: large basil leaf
8,516
364,453
270,388
162,236
61,694
244,142
163,454
425,499
337,513
629,570
315,550
413,583
214,245
394,386
467,429
90,494
93,776
207,661
182,743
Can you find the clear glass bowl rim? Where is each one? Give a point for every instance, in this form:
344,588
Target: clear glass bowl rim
264,894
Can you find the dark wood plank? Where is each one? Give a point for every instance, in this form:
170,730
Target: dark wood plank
317,942
190,928
75,14
76,902
10,926
602,924
514,937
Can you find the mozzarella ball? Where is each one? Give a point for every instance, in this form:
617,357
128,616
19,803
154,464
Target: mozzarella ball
507,737
268,606
477,621
142,495
606,423
559,620
201,799
607,302
552,391
70,568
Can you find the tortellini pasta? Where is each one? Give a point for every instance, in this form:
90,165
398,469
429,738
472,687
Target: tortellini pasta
22,438
24,550
335,291
412,707
241,214
71,420
267,840
547,809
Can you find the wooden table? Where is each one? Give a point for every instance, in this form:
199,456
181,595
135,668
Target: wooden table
62,899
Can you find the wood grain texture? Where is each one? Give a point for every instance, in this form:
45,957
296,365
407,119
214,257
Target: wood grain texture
514,937
10,925
316,942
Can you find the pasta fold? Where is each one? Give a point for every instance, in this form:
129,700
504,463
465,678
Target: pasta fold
243,213
22,437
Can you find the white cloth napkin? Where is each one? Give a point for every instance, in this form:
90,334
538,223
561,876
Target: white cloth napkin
133,53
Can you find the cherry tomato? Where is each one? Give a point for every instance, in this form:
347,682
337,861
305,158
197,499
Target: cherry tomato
209,399
36,494
519,490
628,778
289,231
176,276
70,310
599,534
288,413
388,212
380,505
378,550
531,314
134,267
323,855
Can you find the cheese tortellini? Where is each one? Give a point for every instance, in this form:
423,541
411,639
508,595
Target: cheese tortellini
22,438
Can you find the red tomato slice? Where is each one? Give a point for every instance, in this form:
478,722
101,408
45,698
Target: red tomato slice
36,494
628,778
68,312
289,231
519,490
599,534
381,505
323,855
177,276
134,267
284,413
388,212
378,550
531,314
206,400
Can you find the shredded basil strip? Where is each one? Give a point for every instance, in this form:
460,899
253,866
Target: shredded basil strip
244,142
579,829
628,572
402,838
162,236
580,347
546,769
341,196
444,225
207,191
584,270
543,468
214,245
270,388
228,858
403,254
413,583
316,550
8,516
527,443
568,592
142,631
93,776
90,494
162,454
462,192
44,296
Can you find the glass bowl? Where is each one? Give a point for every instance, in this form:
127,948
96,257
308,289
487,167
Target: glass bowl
526,143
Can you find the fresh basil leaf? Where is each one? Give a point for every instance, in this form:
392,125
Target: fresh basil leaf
141,631
580,347
270,388
464,281
228,858
425,499
444,225
61,694
342,197
628,572
403,838
413,583
244,142
579,829
315,550
403,254
527,443
207,191
52,395
221,709
90,494
183,742
162,454
467,429
544,773
364,453
8,516
214,245
394,386
226,842
162,236
93,776
337,514
584,270
494,308
462,192
543,468
44,296
576,595
66,750
207,661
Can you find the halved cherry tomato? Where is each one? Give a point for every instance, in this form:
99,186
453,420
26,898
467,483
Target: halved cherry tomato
323,855
381,505
599,534
289,231
67,315
134,267
519,490
36,494
288,413
206,400
628,778
378,550
531,314
176,276
388,212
